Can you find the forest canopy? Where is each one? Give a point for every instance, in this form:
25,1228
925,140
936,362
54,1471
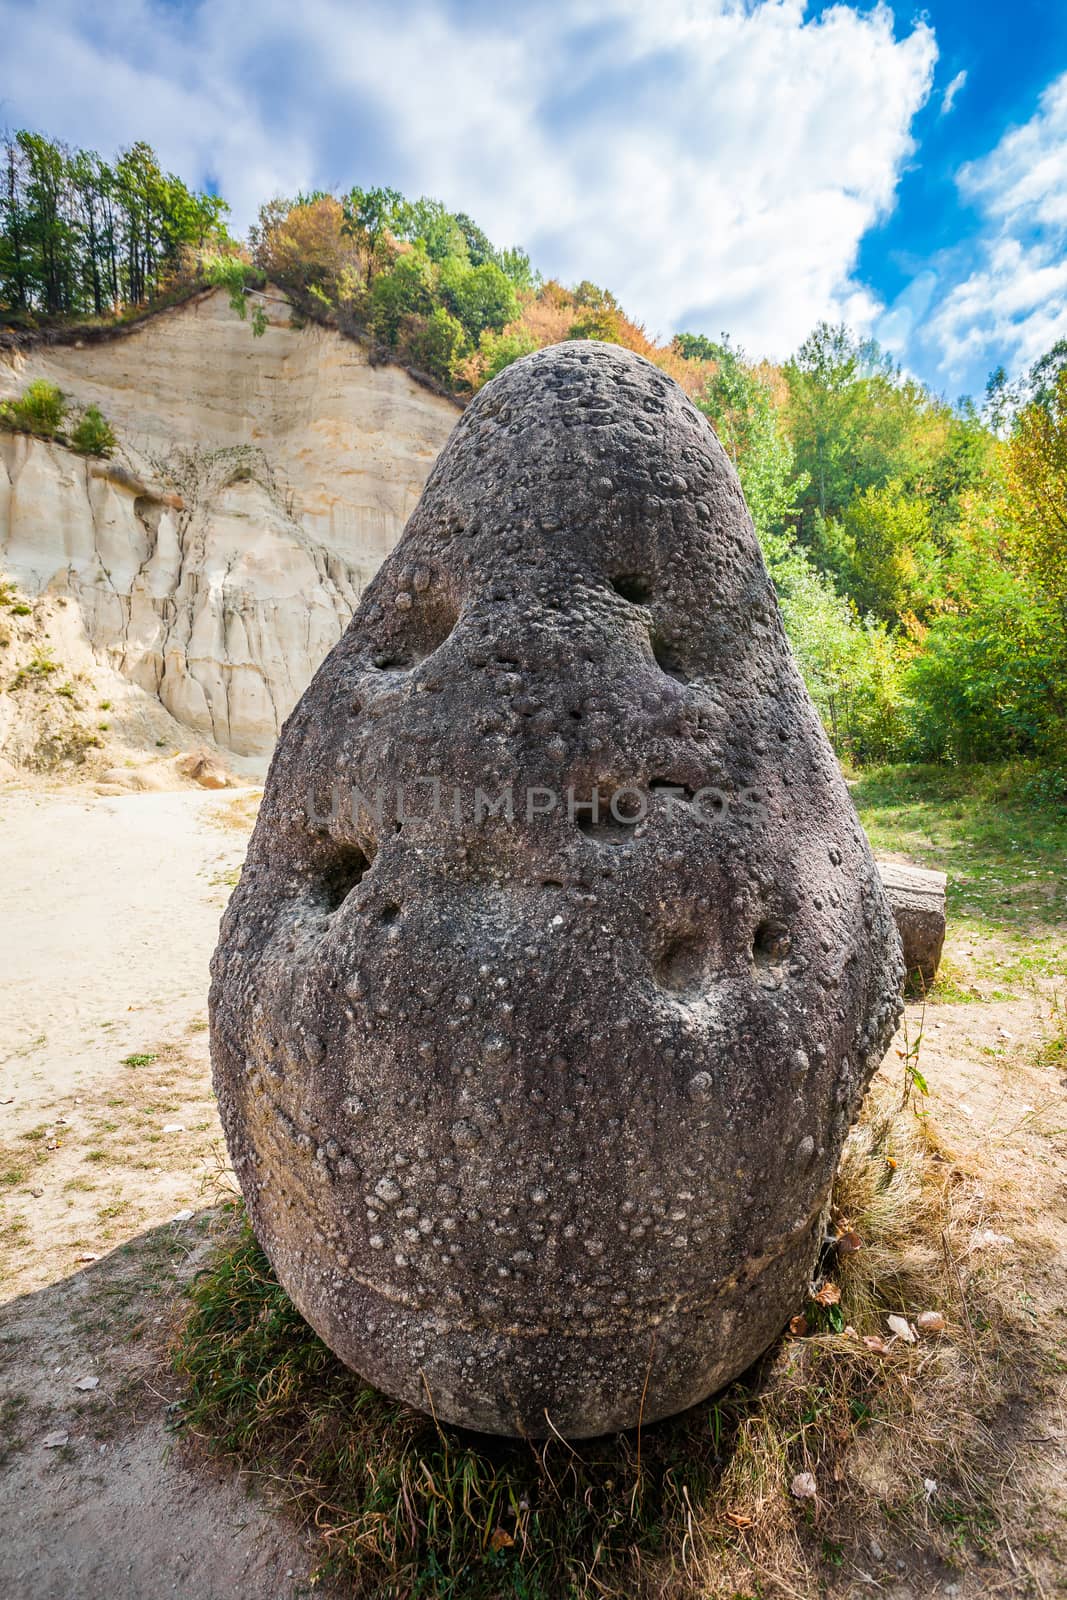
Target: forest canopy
919,547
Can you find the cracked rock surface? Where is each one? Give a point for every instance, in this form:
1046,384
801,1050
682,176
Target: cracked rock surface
536,1092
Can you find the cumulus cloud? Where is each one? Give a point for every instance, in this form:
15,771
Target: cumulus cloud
1013,301
715,162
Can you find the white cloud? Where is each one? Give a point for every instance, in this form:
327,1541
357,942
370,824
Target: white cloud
1013,304
948,99
715,162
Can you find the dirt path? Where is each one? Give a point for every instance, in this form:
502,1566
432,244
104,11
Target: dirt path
110,1154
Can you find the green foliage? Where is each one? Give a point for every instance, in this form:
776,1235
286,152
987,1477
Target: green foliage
404,290
991,679
850,667
856,422
93,434
696,347
740,406
853,668
372,213
480,297
1037,482
235,275
599,322
501,349
882,552
40,409
433,343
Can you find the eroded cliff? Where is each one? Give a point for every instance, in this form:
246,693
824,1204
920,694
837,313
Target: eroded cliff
257,487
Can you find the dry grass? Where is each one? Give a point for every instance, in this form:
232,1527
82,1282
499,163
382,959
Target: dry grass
907,1444
240,814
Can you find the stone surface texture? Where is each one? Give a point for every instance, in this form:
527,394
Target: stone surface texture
258,485
536,1118
917,900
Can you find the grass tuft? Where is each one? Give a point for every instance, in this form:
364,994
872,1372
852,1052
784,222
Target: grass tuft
702,1505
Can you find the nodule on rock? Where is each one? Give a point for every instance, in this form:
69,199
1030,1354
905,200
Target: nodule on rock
559,963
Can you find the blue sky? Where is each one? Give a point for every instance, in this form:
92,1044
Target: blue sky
723,165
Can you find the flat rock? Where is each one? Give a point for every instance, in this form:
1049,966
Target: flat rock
560,962
917,899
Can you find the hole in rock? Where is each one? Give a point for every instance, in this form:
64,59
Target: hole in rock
389,913
667,658
675,790
341,874
681,964
617,813
606,830
427,625
633,586
771,944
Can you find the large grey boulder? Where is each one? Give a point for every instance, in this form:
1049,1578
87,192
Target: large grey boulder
536,1112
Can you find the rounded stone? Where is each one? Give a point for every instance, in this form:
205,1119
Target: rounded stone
629,1160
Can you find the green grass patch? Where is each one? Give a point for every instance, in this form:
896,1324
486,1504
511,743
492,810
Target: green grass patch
1000,834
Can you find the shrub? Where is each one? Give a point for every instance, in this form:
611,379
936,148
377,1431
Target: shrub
597,323
498,350
432,343
40,409
93,435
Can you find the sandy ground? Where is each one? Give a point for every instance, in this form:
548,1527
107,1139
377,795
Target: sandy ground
108,1134
110,1156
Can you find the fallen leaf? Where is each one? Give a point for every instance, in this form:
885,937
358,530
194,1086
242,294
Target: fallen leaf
500,1539
736,1520
930,1322
879,1346
54,1441
804,1486
902,1329
848,1243
87,1255
798,1325
828,1295
87,1383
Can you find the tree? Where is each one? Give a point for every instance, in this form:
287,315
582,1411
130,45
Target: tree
498,350
370,215
404,290
305,243
433,343
1036,471
433,224
14,243
739,405
481,297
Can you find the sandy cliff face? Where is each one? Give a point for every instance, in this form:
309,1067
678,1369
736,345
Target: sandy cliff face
258,485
